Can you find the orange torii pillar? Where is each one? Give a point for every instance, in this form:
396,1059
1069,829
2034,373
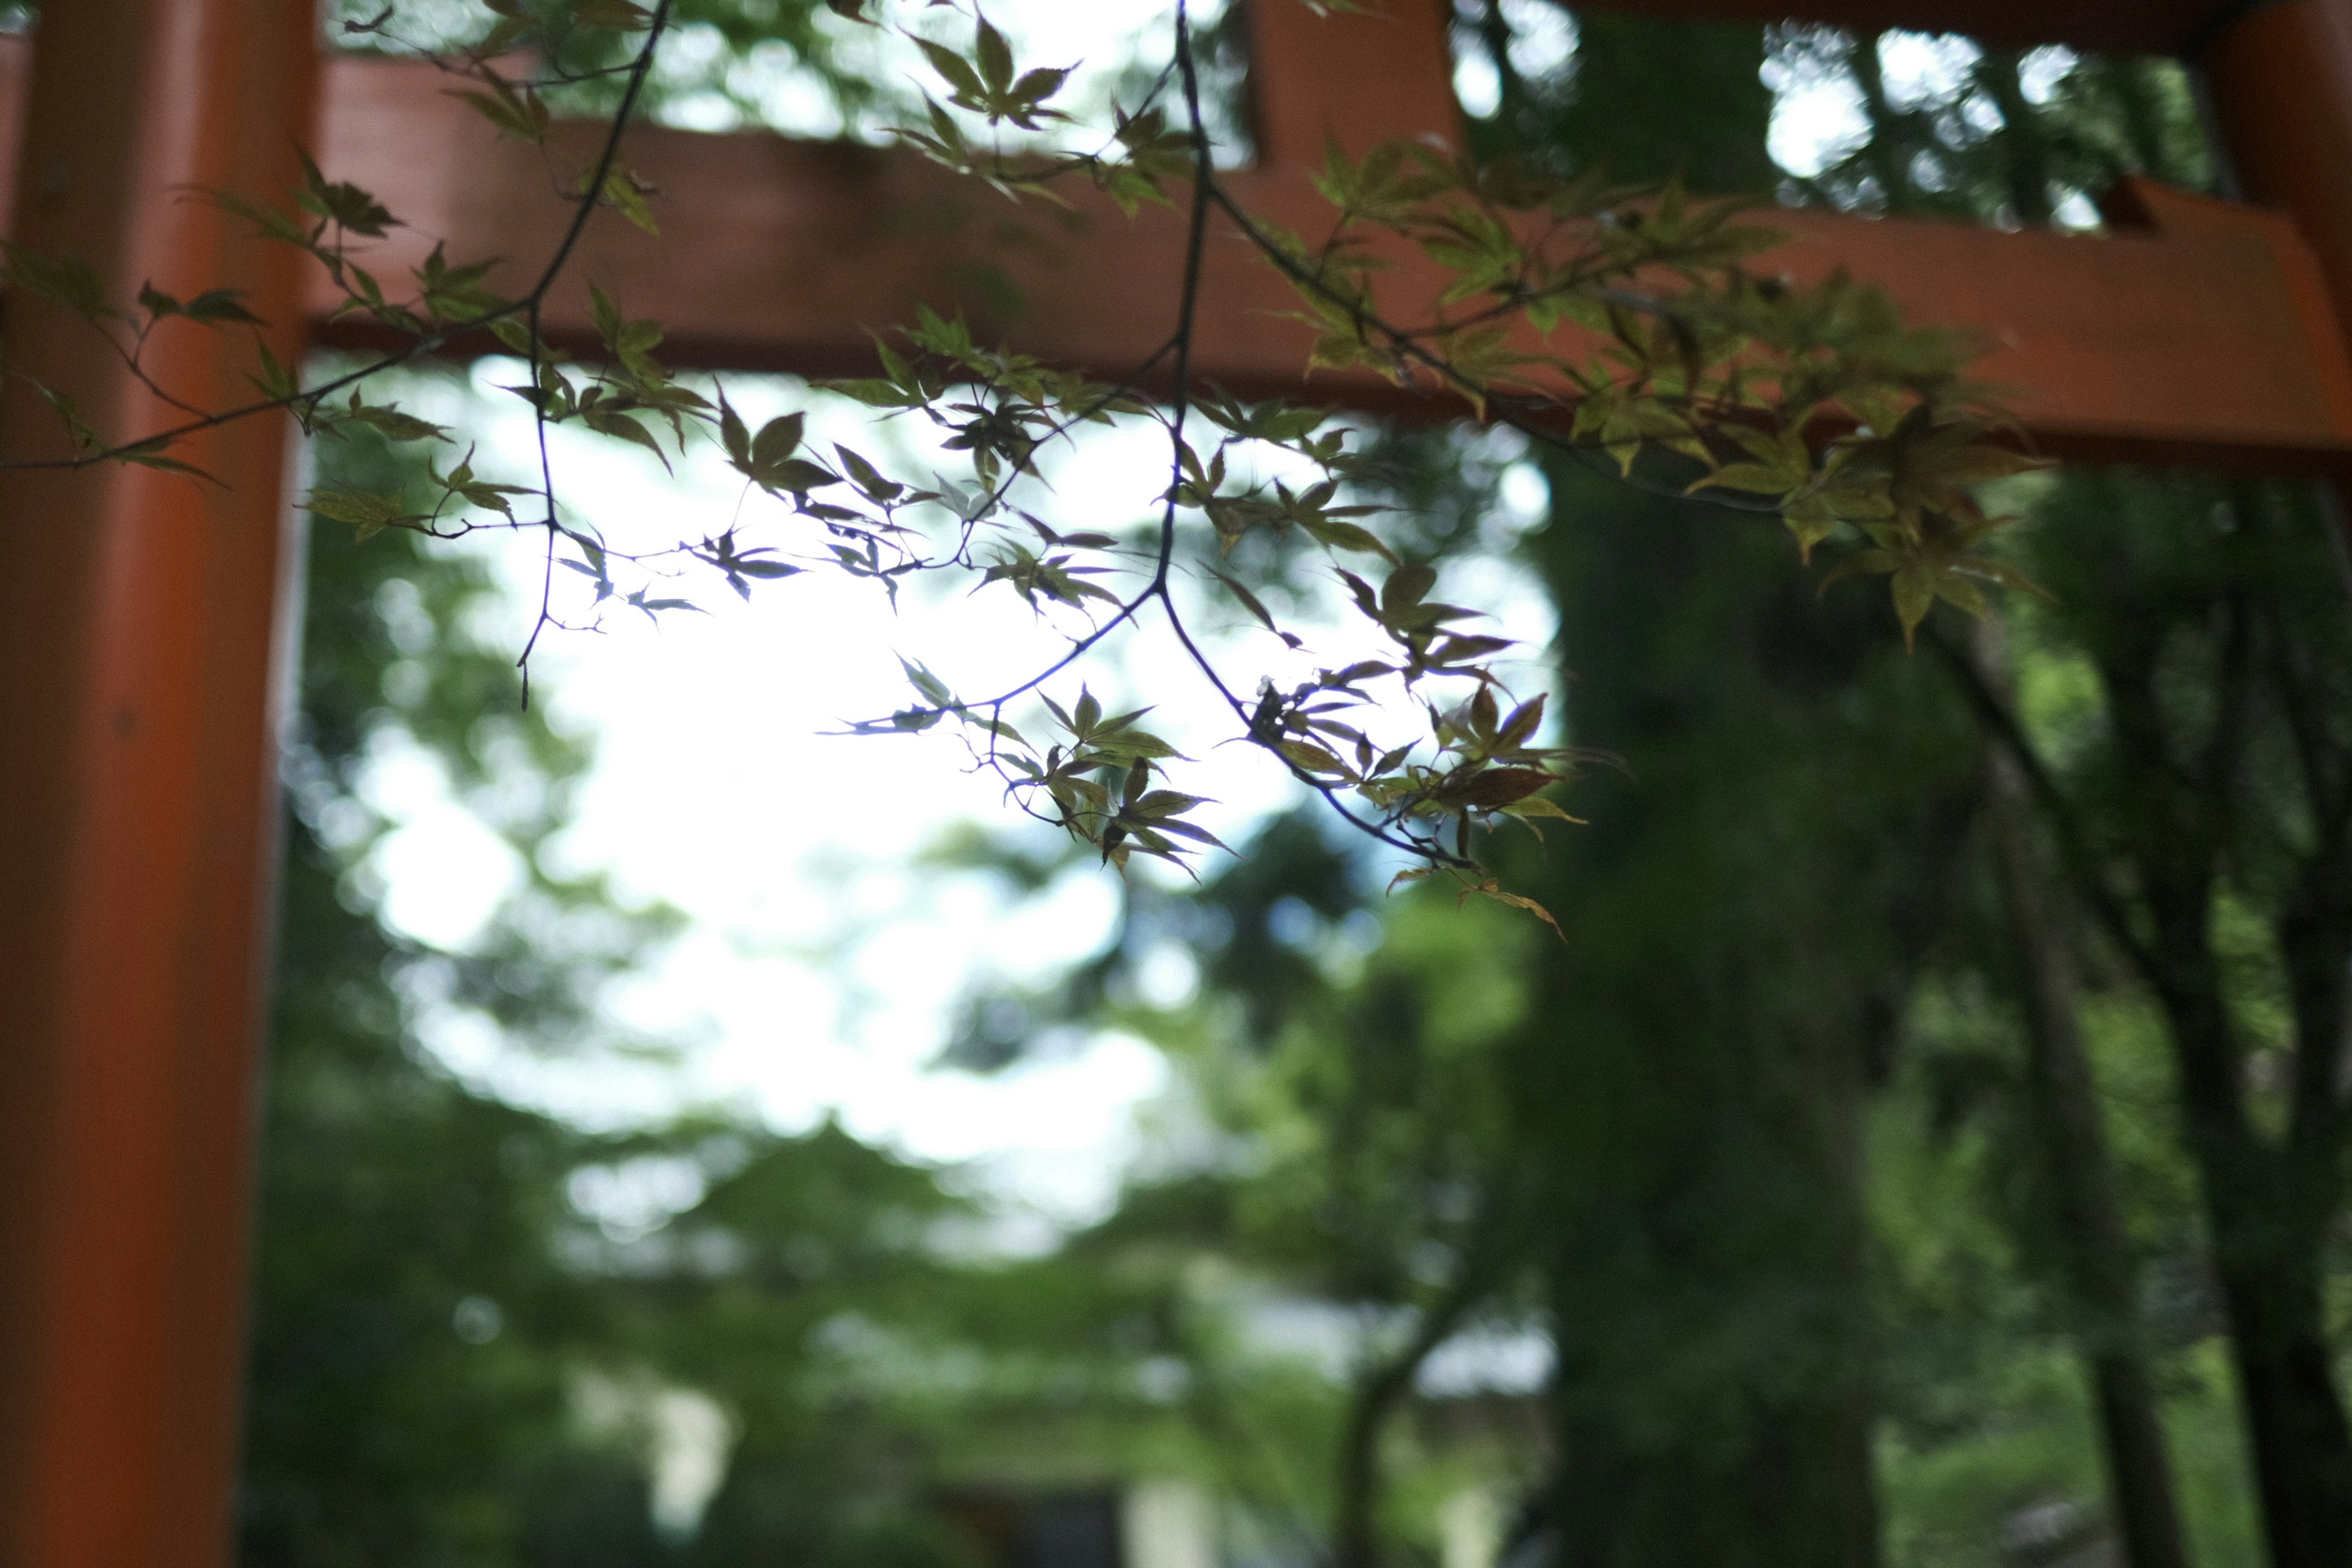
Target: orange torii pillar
140,646
2280,78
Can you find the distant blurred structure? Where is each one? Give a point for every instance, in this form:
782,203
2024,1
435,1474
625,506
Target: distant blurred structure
1168,1521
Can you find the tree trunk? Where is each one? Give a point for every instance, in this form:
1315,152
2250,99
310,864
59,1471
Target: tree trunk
2101,1278
2100,1274
1355,1506
2302,1448
2140,1470
2269,1203
2268,1229
1489,1254
1697,1085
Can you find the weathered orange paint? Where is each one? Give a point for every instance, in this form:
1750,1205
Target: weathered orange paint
2280,78
139,639
2281,87
1353,80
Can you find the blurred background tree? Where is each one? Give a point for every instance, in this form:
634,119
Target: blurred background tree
1352,1148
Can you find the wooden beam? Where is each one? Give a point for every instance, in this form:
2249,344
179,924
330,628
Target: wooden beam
2196,336
2190,333
1354,80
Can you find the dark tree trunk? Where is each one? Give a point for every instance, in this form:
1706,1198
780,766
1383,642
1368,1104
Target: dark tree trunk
1355,1541
2139,1468
1786,1484
1494,1246
2303,1451
1697,1087
2268,1205
2269,1201
2025,145
2100,1275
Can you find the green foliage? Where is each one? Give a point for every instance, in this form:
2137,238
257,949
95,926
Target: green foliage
1601,112
437,1316
1603,318
1363,1087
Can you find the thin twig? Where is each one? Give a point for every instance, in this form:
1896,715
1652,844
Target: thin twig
606,157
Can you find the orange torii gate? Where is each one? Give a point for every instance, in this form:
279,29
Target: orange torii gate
144,620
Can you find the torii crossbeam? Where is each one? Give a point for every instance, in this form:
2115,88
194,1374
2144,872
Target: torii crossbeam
143,620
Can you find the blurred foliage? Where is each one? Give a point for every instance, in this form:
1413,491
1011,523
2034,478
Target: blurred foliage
432,1294
1339,1157
733,51
2009,136
1600,107
799,66
391,1196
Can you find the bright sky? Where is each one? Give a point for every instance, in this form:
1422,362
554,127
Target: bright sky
824,963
